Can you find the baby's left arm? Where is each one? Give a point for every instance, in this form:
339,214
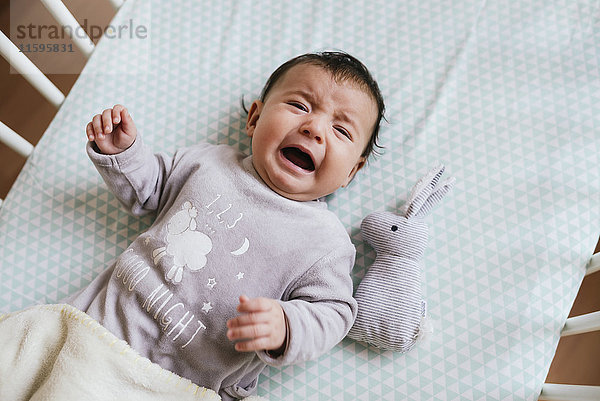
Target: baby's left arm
319,309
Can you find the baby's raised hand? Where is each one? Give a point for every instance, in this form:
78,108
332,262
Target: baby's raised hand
260,326
113,130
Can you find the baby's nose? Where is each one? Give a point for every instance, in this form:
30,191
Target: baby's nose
316,136
313,129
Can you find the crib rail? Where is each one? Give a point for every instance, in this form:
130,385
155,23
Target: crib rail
590,321
24,66
569,392
586,323
15,141
593,265
61,14
29,71
582,324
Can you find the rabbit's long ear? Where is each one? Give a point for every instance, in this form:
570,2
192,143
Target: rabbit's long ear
426,193
436,196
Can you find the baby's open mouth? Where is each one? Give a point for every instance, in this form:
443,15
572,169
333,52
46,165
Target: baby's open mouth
299,158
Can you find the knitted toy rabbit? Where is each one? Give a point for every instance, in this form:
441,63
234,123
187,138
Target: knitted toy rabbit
390,308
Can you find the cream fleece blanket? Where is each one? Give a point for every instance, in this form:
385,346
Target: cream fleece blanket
56,352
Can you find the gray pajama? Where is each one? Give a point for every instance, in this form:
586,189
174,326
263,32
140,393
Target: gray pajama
219,232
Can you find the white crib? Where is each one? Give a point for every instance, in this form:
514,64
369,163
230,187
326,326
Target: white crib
429,101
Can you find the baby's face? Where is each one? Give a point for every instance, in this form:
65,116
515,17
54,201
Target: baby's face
309,134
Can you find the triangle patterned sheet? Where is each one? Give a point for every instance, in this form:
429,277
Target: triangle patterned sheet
505,93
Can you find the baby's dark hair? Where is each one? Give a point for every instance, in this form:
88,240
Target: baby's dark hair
342,66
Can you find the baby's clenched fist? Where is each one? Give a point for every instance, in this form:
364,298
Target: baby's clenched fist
113,131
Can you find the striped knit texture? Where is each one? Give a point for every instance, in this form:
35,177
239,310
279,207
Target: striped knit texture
389,296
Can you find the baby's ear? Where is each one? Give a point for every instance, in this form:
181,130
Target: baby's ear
253,115
359,164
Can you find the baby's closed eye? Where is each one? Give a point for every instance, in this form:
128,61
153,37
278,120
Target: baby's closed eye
299,106
343,131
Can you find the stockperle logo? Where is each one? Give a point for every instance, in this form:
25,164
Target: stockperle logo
54,47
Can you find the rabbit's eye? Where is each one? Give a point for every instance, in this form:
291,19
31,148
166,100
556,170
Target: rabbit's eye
394,228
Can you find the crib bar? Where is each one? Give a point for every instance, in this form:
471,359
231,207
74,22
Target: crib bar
29,71
582,324
14,141
593,265
566,392
116,4
60,12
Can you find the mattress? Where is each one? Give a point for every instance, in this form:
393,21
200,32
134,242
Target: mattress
505,93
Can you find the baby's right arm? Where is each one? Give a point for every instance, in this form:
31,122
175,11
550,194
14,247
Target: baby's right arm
113,131
130,170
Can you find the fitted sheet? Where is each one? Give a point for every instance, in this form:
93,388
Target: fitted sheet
504,93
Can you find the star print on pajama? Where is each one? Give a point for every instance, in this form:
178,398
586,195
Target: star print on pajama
207,307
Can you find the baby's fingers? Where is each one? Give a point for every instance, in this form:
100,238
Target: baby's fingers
248,305
116,113
107,121
89,130
249,319
97,126
256,344
248,331
121,117
254,337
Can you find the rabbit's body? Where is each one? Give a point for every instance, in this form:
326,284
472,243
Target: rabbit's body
390,305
